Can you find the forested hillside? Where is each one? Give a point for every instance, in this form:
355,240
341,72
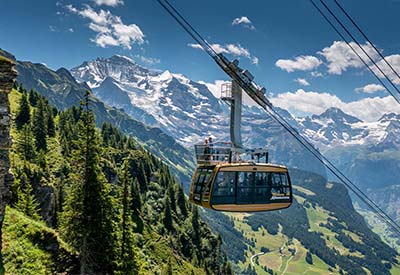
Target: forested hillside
321,233
93,201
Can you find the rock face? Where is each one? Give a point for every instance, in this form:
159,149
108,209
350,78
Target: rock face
7,77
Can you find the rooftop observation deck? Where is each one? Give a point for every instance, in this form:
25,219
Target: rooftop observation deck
222,152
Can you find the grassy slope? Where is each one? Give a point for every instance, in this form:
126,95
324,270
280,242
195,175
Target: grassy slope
378,227
296,264
23,252
274,259
30,247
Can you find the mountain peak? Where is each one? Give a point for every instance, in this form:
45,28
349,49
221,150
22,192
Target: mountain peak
389,117
122,58
64,73
337,115
165,76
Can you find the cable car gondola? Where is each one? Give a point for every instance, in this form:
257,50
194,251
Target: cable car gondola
225,181
241,187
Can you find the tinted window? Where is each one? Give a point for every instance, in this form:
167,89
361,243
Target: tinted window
224,188
203,177
250,187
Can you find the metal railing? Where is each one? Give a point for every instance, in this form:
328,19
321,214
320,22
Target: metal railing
226,91
212,153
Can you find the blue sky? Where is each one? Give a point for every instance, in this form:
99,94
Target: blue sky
286,44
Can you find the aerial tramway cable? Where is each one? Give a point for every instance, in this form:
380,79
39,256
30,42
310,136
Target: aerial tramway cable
267,106
366,38
354,50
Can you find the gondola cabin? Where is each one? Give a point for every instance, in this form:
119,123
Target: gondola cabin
241,186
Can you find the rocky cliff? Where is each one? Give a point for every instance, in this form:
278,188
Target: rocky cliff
7,77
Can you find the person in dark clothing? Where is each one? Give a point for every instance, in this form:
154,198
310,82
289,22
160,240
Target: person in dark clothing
211,149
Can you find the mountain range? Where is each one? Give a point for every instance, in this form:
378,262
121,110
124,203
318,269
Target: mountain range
188,111
158,108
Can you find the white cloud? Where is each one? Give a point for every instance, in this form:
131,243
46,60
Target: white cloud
112,3
238,50
148,60
302,103
370,89
71,8
255,60
316,74
394,61
301,63
53,28
302,81
245,21
195,46
233,49
71,30
340,56
215,89
103,40
110,29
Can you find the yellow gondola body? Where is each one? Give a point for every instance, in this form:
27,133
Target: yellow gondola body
241,187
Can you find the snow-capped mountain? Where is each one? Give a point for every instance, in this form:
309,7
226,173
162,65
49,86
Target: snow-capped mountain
188,111
334,128
174,103
184,108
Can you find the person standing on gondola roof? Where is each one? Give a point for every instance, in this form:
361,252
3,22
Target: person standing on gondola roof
210,145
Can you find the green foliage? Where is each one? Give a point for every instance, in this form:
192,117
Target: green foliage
31,248
51,128
309,258
40,126
128,257
167,220
25,143
26,203
87,218
119,221
24,113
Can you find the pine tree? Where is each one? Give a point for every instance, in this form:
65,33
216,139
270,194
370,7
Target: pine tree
171,196
40,126
27,203
87,217
25,144
196,227
128,263
167,216
136,202
51,128
24,112
309,258
33,98
181,201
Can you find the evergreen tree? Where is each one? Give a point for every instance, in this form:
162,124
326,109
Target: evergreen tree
33,98
27,203
169,270
136,202
51,128
24,112
87,217
171,196
167,215
25,144
196,227
128,263
181,201
40,126
309,258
